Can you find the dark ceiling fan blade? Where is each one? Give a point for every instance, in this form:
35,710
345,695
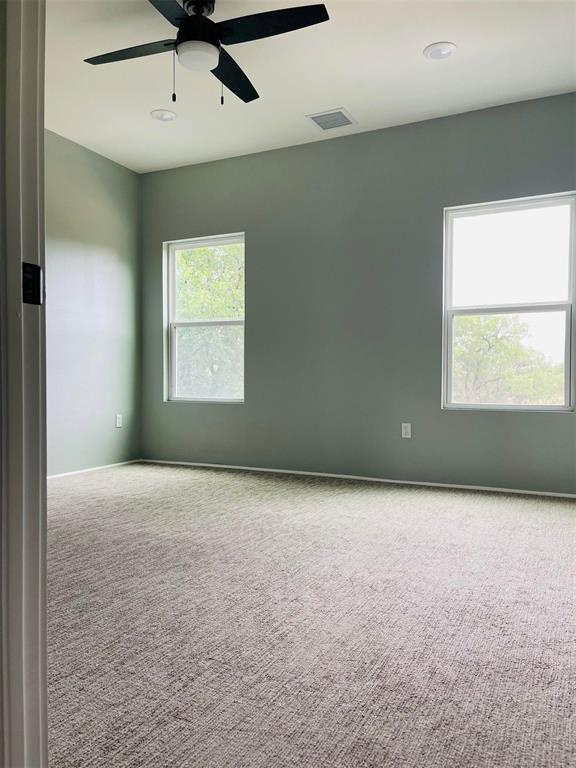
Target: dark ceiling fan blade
230,75
171,10
269,23
148,49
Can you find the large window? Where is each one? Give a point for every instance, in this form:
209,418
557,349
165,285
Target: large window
508,303
205,303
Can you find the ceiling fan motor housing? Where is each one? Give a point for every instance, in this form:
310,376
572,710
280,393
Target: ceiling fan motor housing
198,28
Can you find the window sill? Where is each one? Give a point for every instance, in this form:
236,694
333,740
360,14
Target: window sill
213,400
510,408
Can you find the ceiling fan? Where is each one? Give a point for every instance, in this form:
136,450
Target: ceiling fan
198,43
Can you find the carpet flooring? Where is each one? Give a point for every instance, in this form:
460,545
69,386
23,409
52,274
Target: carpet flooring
218,619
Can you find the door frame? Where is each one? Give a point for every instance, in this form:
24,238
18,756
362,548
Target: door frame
23,721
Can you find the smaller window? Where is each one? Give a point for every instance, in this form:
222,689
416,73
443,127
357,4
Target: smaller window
508,304
205,301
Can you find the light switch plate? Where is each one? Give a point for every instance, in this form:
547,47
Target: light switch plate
118,420
406,430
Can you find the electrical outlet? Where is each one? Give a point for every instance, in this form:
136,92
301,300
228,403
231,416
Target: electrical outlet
407,430
118,420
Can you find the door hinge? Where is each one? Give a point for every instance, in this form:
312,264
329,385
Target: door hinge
32,283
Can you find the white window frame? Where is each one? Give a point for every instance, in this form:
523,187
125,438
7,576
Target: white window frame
171,325
450,310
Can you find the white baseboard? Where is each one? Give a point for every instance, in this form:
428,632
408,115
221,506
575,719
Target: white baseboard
93,469
361,477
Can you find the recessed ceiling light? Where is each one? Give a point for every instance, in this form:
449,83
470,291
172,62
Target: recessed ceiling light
439,51
164,115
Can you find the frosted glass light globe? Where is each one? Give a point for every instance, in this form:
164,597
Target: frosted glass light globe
198,55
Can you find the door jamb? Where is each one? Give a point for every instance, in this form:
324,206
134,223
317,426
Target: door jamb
23,721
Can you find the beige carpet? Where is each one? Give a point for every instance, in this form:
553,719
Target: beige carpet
213,619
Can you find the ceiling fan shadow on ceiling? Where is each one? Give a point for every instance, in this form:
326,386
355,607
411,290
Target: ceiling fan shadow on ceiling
199,41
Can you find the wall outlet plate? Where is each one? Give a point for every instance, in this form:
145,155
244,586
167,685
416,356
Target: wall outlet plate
406,430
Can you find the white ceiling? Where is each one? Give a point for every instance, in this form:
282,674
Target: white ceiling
367,58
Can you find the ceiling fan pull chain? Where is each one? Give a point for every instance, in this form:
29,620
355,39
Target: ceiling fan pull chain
222,94
174,74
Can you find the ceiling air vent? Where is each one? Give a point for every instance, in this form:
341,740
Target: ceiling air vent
336,118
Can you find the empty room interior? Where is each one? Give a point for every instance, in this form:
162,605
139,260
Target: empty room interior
311,379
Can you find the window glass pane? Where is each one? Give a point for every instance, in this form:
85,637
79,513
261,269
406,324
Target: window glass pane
210,362
209,282
508,359
511,257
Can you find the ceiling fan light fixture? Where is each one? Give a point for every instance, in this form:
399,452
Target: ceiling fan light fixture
198,55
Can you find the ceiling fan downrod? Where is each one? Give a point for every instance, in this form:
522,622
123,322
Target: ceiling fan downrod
199,7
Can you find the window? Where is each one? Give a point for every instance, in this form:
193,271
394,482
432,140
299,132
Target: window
205,305
508,294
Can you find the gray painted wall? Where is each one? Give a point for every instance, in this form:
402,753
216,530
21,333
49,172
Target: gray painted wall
92,279
344,294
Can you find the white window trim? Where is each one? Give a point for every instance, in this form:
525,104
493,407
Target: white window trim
449,311
170,357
